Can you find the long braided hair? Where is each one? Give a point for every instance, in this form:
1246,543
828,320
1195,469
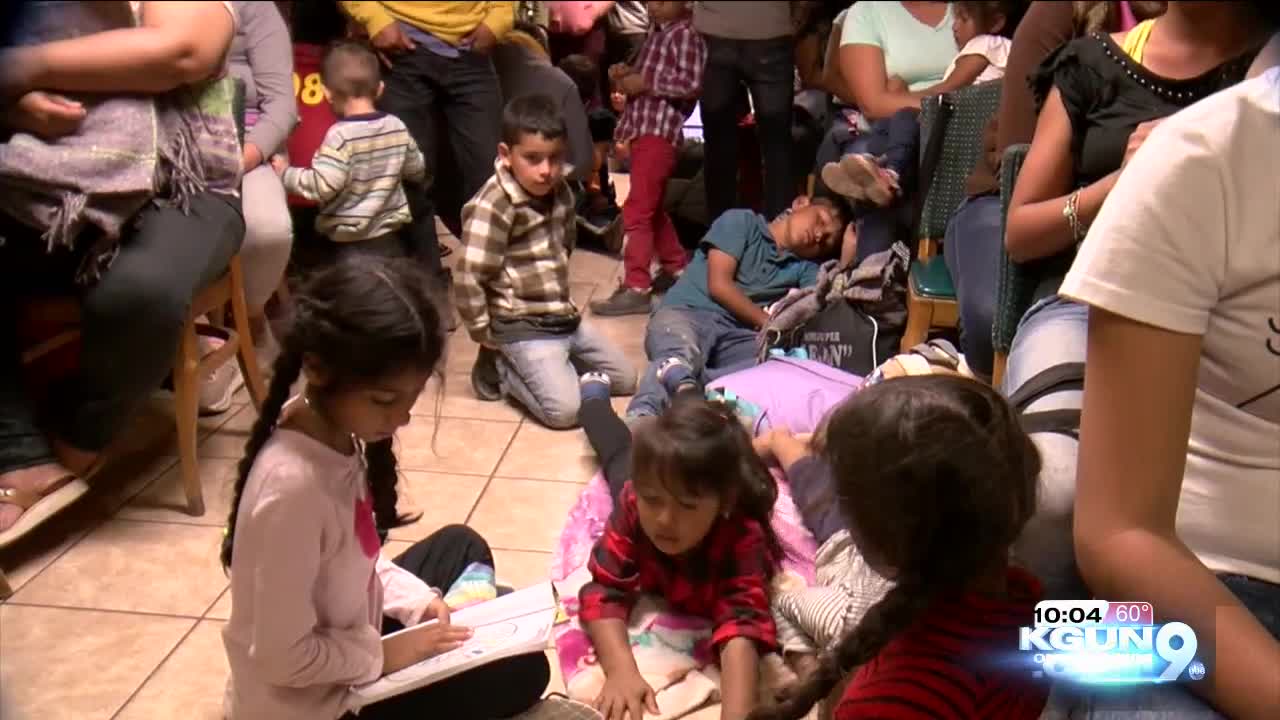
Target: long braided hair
362,319
938,479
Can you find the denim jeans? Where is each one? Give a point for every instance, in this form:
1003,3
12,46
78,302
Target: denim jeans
971,249
542,375
465,89
897,138
130,322
1053,331
766,67
712,343
878,227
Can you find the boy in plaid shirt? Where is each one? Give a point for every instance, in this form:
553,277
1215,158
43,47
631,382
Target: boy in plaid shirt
662,89
512,280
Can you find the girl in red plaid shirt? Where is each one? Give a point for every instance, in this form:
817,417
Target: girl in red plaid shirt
690,522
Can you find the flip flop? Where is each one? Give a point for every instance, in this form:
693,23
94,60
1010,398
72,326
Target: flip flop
835,177
38,507
867,174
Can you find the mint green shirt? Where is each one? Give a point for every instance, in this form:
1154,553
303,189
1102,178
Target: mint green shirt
913,51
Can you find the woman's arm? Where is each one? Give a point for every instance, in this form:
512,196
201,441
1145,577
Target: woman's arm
178,43
1036,226
1046,27
739,673
1129,481
862,66
832,78
271,63
809,62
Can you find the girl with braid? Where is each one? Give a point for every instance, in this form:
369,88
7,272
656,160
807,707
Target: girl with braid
936,479
315,496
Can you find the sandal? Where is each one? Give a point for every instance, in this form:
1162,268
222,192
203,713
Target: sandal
839,182
38,507
872,181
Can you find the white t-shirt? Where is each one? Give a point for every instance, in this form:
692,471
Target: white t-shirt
992,47
1189,241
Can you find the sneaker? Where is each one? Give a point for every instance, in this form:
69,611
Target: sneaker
875,182
676,375
664,281
594,385
623,301
219,387
837,179
484,375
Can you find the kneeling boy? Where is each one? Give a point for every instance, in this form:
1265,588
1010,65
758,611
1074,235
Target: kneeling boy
512,280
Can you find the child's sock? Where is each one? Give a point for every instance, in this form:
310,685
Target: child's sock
676,376
594,386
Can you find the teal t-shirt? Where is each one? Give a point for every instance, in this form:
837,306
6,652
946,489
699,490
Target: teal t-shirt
913,51
765,273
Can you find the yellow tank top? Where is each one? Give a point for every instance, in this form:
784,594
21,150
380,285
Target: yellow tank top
1135,41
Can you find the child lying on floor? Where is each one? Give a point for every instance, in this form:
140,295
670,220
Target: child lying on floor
708,320
690,522
938,479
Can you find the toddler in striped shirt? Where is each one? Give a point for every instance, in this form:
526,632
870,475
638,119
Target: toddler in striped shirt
358,172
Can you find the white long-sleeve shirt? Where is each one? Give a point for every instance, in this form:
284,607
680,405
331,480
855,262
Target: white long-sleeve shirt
308,585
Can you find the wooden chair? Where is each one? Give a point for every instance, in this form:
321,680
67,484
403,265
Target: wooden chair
189,367
952,125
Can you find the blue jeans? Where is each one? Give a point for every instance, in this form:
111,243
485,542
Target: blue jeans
878,227
542,375
897,138
1053,331
712,343
971,249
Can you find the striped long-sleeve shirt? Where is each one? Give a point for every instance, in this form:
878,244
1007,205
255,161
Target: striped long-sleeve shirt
671,61
356,177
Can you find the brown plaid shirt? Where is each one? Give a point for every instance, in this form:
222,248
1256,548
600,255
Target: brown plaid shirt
515,256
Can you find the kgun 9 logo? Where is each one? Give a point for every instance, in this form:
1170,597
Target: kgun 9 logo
1114,653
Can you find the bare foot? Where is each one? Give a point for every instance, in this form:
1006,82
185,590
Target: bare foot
39,479
80,462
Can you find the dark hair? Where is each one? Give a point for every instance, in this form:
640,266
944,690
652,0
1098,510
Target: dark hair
701,447
584,73
362,319
841,210
350,70
530,114
939,479
985,15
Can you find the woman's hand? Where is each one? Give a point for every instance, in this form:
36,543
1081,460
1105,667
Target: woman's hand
1137,138
252,157
390,41
626,693
481,41
46,115
418,644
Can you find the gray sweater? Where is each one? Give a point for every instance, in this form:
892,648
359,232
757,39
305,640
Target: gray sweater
262,56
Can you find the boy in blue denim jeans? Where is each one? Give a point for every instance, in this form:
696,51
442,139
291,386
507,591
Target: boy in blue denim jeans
512,280
706,325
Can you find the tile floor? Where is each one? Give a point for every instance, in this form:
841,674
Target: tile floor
119,602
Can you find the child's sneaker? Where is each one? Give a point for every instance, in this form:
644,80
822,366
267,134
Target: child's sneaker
875,182
594,385
664,281
837,179
623,301
676,376
484,375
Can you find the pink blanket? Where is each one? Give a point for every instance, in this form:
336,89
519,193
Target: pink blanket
672,651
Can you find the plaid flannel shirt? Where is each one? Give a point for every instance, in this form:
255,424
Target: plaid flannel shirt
724,580
515,256
671,61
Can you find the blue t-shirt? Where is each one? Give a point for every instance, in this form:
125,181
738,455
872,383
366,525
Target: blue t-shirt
765,272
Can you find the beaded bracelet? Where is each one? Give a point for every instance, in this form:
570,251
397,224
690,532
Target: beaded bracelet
1070,212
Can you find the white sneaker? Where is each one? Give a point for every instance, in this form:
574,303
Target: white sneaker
219,387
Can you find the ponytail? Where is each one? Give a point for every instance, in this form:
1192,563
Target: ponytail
383,475
885,620
287,368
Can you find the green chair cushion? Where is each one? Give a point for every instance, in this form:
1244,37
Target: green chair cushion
930,278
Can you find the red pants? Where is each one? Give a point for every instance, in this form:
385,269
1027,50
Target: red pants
649,229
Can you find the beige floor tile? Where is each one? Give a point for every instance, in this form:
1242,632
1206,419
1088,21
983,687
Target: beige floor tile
522,568
593,267
544,454
165,499
470,447
59,664
190,682
135,567
221,610
460,401
581,293
524,514
229,440
441,498
556,684
460,352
